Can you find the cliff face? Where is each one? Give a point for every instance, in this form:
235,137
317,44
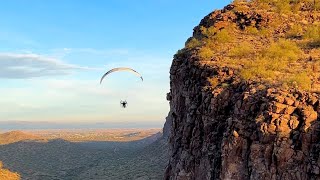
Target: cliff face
235,128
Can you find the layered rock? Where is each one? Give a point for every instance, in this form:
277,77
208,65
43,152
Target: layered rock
238,129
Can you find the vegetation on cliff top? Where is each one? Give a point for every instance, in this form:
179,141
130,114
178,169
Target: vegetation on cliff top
271,41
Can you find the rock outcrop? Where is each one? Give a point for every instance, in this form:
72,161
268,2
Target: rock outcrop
236,128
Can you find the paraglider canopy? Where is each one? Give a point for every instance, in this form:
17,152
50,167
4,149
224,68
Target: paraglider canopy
121,69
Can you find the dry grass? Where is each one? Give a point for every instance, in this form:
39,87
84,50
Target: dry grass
295,31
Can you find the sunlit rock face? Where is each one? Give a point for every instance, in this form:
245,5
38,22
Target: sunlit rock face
235,128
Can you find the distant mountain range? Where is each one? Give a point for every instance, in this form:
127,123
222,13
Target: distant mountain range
23,125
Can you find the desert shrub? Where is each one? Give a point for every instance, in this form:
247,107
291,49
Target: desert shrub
208,32
242,51
313,32
264,68
295,31
219,36
313,36
301,80
240,5
271,64
258,68
252,30
282,6
192,43
205,53
262,4
283,50
224,36
255,72
264,32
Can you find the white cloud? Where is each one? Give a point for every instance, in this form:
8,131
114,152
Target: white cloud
81,97
24,66
102,53
76,100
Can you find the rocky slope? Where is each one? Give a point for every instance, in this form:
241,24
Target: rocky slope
232,120
8,175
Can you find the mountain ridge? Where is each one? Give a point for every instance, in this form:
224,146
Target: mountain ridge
16,136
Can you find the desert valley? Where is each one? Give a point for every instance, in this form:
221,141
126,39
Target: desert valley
85,154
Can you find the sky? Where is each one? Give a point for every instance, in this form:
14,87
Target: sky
54,52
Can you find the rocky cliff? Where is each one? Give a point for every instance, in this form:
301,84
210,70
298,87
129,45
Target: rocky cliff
234,115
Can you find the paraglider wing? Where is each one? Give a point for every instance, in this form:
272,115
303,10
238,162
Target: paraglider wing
121,69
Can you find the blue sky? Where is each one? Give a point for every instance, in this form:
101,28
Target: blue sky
52,54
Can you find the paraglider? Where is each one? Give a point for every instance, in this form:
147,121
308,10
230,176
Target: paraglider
122,103
121,69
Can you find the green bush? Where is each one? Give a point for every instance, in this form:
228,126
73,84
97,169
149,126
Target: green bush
205,53
252,30
300,80
264,32
295,31
257,68
283,50
255,72
262,68
282,6
224,36
313,36
208,32
242,51
312,33
192,43
285,6
219,36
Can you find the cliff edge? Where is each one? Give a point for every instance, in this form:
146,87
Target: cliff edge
245,92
